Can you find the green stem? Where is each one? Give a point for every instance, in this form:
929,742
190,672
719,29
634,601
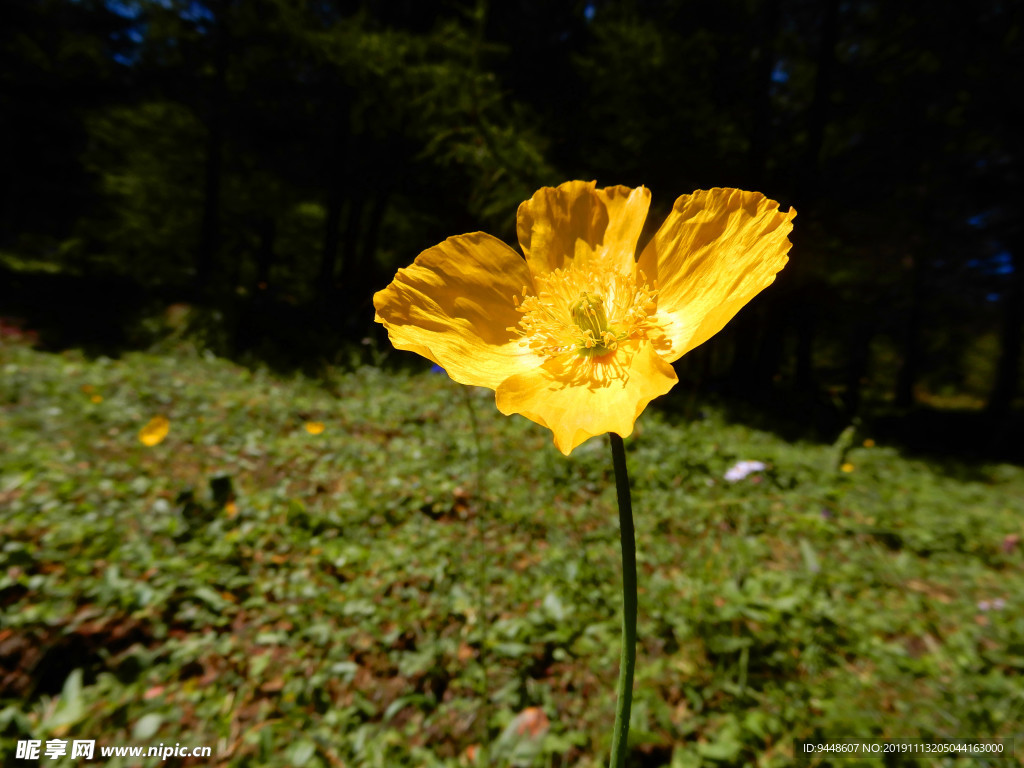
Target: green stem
627,659
481,561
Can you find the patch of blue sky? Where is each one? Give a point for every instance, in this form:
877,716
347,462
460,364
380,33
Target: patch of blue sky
998,264
197,12
980,220
125,10
192,11
130,37
132,9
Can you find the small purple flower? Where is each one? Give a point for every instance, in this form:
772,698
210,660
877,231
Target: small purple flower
743,468
991,605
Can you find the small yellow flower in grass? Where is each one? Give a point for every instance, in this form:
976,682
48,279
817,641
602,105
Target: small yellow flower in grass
580,335
96,399
314,427
869,443
847,467
155,431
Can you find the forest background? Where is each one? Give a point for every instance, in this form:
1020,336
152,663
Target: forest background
264,167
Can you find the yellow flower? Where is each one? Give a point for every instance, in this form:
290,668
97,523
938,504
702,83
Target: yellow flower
97,398
314,427
847,467
869,443
580,335
155,431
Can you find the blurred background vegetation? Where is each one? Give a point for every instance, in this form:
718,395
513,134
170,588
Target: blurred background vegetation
264,166
372,567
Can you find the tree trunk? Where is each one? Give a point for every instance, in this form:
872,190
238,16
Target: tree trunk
360,285
755,362
859,356
911,341
818,117
743,331
351,257
336,195
818,113
790,297
805,320
210,234
1008,369
760,131
267,231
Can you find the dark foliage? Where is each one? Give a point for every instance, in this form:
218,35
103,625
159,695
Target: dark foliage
274,162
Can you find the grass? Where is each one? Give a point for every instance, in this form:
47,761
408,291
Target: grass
406,589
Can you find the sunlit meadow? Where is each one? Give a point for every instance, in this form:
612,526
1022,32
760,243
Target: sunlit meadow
342,572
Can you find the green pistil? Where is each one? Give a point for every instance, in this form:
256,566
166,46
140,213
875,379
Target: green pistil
589,316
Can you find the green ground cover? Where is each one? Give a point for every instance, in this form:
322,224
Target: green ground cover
399,588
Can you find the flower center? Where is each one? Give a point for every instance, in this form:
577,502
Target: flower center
587,309
589,315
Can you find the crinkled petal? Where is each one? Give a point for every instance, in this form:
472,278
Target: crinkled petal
608,221
578,398
454,306
716,250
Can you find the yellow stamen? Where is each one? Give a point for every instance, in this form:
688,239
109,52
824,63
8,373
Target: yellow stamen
587,309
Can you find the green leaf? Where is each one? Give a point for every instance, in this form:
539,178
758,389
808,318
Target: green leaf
300,752
553,605
810,556
211,598
147,726
70,707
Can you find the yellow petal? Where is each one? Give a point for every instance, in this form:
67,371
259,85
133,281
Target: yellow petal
607,221
578,398
314,427
155,431
716,250
454,306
